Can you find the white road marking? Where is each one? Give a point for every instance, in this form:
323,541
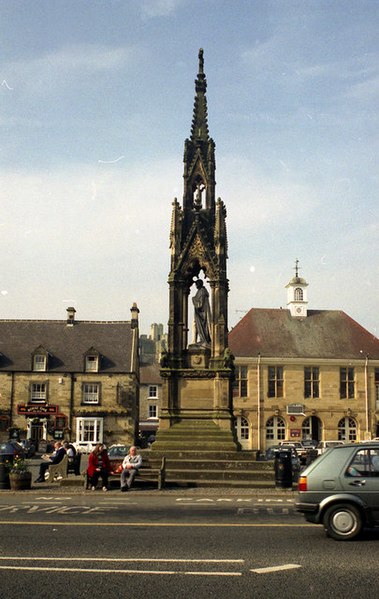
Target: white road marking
192,501
160,524
50,499
106,571
123,560
275,568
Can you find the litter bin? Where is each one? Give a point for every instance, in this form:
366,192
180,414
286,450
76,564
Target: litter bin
8,451
283,468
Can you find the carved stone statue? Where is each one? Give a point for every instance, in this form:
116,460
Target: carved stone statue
202,313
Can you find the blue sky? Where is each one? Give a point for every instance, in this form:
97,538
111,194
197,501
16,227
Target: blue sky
96,101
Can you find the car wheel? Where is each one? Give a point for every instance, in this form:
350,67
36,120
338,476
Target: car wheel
343,522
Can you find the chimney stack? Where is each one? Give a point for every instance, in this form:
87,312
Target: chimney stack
135,311
70,316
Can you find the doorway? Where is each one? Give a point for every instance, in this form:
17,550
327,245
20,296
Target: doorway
36,432
243,432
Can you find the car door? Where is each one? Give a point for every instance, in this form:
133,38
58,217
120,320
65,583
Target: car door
361,478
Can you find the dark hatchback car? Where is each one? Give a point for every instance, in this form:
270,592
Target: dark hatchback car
340,490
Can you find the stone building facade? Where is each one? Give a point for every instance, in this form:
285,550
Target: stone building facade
150,400
151,348
70,379
303,374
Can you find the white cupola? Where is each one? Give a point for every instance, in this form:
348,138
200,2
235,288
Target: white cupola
297,295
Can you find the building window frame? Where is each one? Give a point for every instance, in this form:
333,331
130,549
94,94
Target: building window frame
347,382
311,382
240,383
298,294
347,429
39,362
153,391
376,382
89,430
91,393
91,363
275,429
38,391
275,381
152,411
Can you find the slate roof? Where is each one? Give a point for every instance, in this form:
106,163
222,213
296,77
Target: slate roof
150,374
66,345
322,334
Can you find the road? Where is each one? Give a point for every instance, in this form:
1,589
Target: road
174,546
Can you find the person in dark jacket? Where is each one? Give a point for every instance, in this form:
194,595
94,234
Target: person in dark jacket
98,465
56,457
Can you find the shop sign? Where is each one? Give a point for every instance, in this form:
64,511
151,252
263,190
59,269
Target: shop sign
295,432
36,410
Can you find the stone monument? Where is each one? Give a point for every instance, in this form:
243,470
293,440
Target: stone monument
197,373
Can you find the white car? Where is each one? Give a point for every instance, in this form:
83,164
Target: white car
300,449
324,445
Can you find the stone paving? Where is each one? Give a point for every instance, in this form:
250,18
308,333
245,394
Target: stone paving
77,488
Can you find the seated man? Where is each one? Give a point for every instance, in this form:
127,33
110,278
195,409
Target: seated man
130,466
56,457
73,458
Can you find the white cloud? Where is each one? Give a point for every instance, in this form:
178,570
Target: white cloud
159,8
262,202
44,74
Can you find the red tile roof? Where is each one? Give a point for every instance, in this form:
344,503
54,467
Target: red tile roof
322,334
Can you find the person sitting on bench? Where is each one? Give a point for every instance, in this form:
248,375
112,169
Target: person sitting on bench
130,466
98,466
56,457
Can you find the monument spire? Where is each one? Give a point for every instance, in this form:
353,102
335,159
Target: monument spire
197,374
199,130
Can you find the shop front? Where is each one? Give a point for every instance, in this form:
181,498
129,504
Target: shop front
43,423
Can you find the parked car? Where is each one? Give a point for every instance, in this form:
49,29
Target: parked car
324,445
29,447
118,451
12,448
340,490
310,443
301,450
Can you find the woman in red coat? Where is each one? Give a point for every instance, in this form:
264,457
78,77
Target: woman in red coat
98,465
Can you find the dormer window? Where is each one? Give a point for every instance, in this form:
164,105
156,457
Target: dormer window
92,363
39,363
40,359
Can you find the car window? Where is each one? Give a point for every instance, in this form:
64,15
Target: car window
364,463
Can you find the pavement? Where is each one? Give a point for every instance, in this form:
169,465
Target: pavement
74,485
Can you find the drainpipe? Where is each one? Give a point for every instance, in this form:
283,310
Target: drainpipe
71,406
368,435
259,401
12,401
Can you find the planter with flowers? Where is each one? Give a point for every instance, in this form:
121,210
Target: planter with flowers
20,477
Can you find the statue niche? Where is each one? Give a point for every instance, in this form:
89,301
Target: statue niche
202,315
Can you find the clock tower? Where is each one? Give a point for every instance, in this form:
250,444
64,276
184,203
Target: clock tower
297,294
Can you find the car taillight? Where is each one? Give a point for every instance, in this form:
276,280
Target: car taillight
302,483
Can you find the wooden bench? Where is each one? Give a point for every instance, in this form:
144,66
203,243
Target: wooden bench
145,474
56,472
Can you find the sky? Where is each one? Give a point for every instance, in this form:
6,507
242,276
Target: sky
96,100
